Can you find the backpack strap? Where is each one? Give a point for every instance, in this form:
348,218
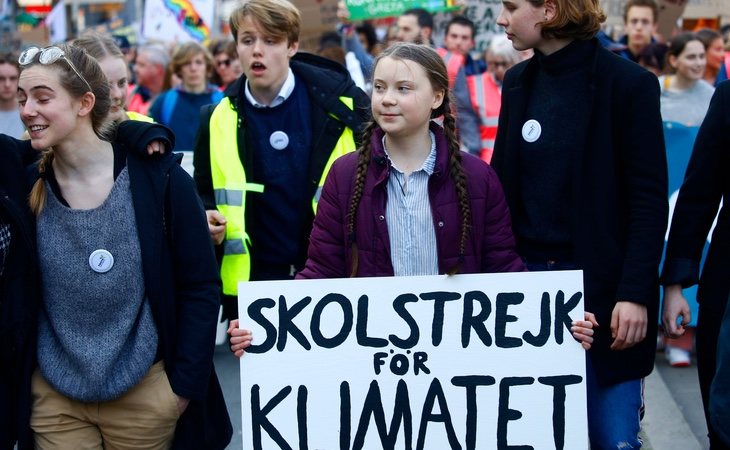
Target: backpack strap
168,106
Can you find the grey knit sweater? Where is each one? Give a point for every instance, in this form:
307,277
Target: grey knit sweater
97,337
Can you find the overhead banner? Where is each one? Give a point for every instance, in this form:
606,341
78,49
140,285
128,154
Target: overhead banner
178,20
461,362
370,9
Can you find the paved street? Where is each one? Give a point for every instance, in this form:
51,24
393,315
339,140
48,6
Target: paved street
673,420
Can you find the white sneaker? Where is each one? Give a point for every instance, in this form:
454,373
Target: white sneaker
677,357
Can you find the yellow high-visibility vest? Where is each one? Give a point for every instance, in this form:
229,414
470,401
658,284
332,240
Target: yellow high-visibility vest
139,117
230,187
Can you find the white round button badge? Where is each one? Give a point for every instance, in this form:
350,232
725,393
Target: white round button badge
279,140
531,130
101,261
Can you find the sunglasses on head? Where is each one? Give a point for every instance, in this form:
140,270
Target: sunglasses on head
49,55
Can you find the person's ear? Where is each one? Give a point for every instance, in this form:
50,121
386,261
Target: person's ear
438,99
426,33
293,48
87,102
550,10
672,60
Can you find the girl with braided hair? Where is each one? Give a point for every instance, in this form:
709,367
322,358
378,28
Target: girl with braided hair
409,202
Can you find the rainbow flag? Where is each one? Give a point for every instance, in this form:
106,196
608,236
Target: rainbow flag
187,16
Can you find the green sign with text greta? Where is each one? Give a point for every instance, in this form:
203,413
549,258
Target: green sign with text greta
369,9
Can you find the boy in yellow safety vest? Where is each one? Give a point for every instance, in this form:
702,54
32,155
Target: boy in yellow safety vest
262,154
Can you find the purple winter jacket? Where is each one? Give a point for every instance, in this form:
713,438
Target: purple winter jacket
490,248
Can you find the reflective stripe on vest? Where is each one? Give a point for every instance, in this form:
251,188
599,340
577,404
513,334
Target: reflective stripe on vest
230,187
453,62
486,99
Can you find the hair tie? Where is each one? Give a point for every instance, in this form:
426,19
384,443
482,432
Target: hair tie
42,175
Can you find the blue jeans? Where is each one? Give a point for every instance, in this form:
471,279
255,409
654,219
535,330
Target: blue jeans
614,412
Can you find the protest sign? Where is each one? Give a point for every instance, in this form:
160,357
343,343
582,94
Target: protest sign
370,9
178,20
461,362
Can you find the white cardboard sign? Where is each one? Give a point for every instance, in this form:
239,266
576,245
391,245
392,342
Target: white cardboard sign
462,362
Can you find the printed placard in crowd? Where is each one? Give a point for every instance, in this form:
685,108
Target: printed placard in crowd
461,362
370,9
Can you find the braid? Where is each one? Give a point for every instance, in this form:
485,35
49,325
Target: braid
37,197
363,160
456,172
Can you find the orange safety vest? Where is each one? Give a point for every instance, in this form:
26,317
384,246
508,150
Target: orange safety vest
486,99
453,61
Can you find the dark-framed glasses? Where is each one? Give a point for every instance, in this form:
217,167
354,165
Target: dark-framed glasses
49,55
223,62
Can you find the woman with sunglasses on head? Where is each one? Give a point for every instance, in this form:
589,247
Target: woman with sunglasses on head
19,294
128,277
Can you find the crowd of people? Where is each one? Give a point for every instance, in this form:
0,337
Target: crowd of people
366,158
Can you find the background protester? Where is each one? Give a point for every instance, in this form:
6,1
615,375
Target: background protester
485,90
149,369
10,123
715,55
580,153
640,22
179,107
150,66
227,67
685,97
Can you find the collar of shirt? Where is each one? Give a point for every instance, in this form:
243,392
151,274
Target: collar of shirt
428,164
286,89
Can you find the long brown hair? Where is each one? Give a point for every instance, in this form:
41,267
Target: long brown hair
435,70
76,87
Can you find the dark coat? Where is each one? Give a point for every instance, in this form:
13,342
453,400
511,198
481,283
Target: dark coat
619,191
491,245
183,287
705,185
19,297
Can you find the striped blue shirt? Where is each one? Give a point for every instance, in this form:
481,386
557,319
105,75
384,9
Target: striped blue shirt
410,222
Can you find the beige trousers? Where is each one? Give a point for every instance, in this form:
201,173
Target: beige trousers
143,418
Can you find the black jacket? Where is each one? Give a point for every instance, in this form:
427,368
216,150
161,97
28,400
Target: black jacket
705,185
619,189
19,296
183,287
